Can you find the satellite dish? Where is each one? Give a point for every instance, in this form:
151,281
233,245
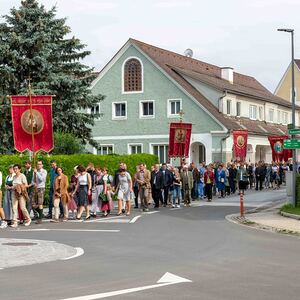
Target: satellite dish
188,52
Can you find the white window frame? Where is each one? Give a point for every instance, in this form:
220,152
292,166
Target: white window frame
89,110
169,114
134,144
141,116
151,147
236,110
106,145
260,113
114,117
285,120
279,118
252,108
228,101
269,115
142,70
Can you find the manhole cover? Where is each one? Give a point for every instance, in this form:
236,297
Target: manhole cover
19,244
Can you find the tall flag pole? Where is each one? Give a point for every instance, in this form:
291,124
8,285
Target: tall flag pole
31,118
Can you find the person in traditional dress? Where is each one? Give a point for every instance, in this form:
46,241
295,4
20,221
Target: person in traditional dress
125,191
61,184
143,178
7,204
72,206
84,189
39,182
187,184
98,189
19,196
106,205
28,172
220,181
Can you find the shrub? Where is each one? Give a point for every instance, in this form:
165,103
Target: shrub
68,162
67,143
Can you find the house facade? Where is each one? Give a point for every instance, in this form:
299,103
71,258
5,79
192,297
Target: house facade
284,87
146,87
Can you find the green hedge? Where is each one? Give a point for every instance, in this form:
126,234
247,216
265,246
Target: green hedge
68,162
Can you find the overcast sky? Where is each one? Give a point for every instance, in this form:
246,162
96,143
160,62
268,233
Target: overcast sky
236,33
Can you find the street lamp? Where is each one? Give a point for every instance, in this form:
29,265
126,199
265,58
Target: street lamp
291,31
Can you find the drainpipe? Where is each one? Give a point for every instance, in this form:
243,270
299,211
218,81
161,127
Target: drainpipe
223,140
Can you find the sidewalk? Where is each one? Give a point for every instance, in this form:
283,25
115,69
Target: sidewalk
271,219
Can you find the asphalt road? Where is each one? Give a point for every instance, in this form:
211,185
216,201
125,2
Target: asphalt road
223,260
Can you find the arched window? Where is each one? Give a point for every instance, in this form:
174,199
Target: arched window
133,76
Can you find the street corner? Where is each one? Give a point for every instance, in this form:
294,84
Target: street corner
268,219
25,252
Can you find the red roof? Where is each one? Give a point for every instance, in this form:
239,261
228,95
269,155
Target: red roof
178,66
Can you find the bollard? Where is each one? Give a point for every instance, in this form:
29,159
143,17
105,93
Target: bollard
242,203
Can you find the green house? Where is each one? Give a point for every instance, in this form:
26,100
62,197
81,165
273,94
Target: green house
146,87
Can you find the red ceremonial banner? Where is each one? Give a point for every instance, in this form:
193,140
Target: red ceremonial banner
32,124
240,139
179,139
278,153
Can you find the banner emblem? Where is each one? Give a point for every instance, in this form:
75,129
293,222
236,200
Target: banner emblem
36,121
180,135
240,141
278,147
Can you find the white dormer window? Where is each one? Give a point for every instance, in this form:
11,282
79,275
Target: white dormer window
238,109
261,113
279,117
284,118
228,107
253,112
271,115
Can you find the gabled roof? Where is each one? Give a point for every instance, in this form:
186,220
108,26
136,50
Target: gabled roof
211,74
177,66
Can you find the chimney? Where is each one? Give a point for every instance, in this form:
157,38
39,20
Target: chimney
227,74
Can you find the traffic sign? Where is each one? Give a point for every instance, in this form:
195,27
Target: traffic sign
291,144
294,131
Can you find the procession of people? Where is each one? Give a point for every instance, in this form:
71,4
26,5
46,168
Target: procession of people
92,191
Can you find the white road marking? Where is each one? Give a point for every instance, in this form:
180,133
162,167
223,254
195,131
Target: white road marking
79,252
221,204
73,230
133,220
150,212
167,279
104,219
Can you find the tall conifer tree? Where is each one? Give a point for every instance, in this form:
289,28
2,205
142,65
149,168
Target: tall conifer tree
35,43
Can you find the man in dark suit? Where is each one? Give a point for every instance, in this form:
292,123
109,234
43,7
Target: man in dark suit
167,181
156,185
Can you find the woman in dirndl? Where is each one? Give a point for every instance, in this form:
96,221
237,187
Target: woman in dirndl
7,203
124,191
84,190
106,195
98,185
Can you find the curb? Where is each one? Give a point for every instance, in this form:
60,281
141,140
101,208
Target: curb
243,221
288,215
